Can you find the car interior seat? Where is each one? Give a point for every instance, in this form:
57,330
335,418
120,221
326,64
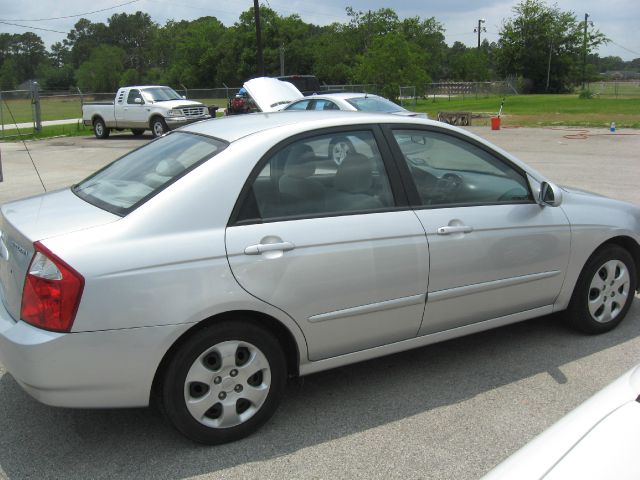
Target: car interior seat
353,185
295,182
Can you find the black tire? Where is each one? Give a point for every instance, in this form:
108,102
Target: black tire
158,126
100,129
347,147
175,391
137,131
608,313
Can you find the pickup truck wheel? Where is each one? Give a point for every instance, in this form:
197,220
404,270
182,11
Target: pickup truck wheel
100,130
158,127
137,131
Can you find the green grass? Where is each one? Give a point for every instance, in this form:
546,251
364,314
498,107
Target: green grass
70,130
56,108
540,110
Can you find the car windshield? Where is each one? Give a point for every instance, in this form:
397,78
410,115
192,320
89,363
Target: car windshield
160,94
374,104
128,182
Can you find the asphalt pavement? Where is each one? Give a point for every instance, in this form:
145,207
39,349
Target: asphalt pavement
447,411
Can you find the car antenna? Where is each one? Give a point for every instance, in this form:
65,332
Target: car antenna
25,145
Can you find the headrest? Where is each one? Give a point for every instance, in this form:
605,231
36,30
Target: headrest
301,161
354,174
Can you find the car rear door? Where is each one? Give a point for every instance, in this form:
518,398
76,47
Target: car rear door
494,251
335,247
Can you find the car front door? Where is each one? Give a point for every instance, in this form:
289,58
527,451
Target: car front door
335,247
134,113
494,252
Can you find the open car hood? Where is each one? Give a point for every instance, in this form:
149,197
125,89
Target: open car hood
271,94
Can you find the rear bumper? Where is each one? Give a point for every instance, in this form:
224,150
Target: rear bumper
113,368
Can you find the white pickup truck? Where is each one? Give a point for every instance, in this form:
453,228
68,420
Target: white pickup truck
140,108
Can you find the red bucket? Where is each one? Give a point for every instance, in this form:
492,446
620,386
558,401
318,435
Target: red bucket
495,123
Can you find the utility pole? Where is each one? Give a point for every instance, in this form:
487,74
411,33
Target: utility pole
479,29
256,10
584,53
282,60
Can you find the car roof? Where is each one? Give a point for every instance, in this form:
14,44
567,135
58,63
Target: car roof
234,127
340,95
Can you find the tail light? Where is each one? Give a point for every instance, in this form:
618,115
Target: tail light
51,293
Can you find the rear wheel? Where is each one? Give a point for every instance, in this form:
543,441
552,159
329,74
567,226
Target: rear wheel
158,126
604,291
137,131
100,130
224,382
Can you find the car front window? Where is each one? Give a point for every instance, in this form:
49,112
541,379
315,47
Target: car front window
131,180
160,94
448,171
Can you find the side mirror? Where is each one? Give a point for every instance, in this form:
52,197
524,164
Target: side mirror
138,100
550,195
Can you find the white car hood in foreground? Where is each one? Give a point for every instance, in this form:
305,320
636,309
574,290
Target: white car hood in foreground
597,440
271,94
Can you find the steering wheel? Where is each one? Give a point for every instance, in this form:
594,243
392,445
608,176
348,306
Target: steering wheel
514,194
448,186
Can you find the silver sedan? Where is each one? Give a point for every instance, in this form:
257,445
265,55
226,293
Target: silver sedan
203,269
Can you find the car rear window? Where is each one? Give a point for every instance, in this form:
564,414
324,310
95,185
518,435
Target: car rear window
131,180
374,104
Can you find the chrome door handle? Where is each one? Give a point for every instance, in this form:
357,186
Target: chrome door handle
268,247
448,230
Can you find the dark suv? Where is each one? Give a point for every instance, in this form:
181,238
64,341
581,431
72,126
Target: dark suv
307,84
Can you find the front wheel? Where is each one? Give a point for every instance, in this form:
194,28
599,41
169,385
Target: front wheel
100,129
224,382
604,291
158,127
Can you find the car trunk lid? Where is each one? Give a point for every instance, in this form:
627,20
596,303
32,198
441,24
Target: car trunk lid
24,222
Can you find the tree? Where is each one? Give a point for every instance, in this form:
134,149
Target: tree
544,46
82,39
103,70
8,77
133,33
391,62
428,35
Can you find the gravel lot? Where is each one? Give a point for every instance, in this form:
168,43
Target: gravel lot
447,411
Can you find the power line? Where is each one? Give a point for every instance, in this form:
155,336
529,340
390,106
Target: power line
624,48
32,28
4,20
204,9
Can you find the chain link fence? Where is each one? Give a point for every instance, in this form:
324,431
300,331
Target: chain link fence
17,113
468,89
627,88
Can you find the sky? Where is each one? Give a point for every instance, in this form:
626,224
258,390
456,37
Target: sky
617,19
